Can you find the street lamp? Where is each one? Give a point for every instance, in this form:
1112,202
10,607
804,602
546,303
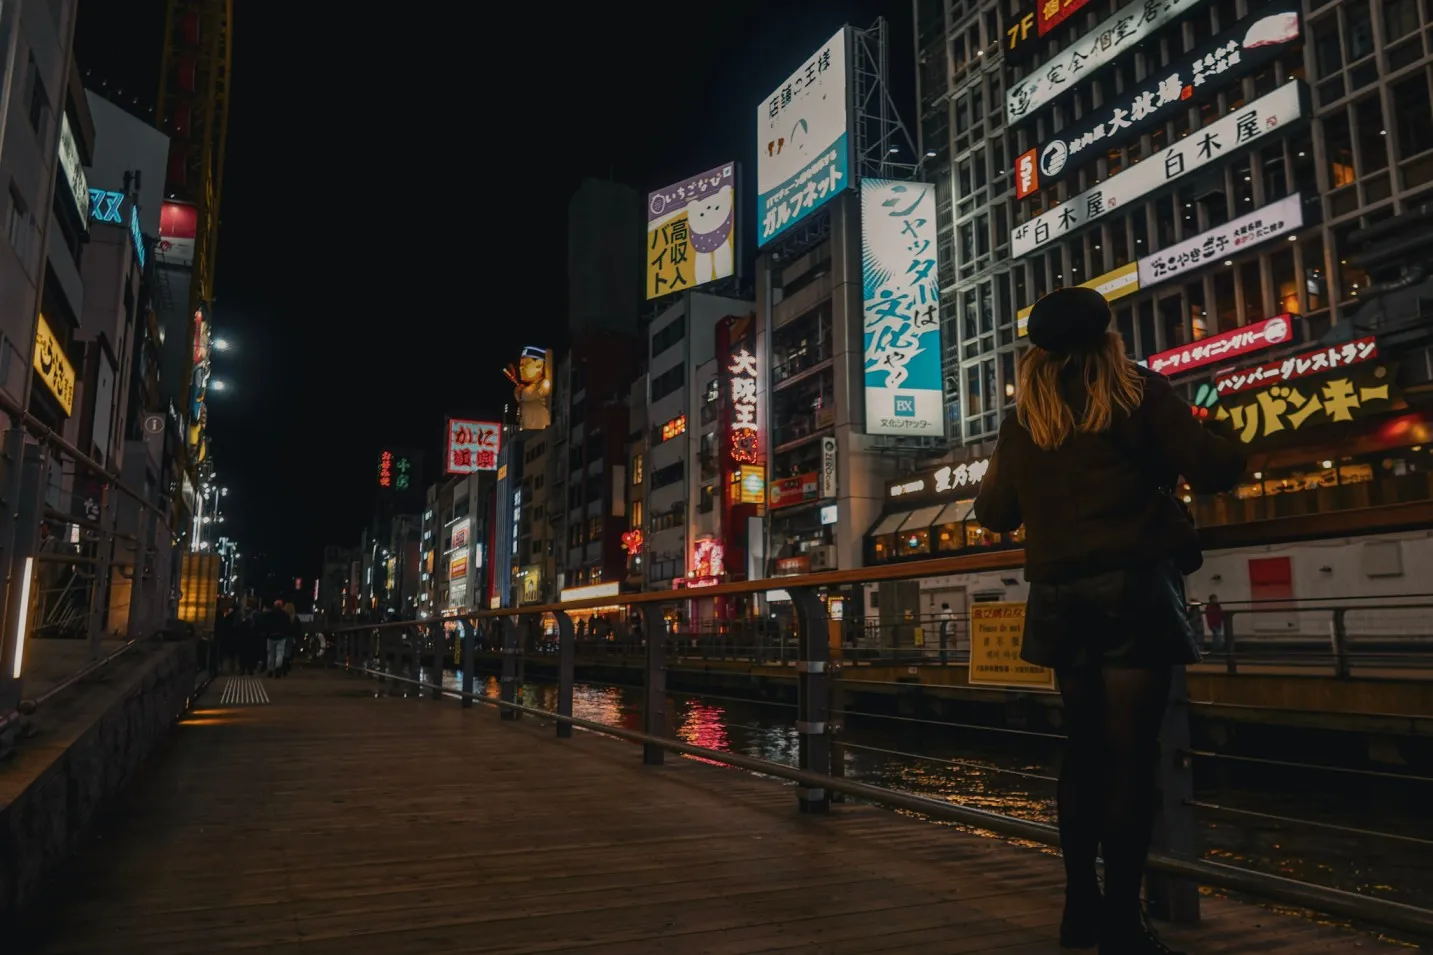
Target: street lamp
221,344
217,384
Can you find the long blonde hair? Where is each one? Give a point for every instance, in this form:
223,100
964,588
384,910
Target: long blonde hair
1111,381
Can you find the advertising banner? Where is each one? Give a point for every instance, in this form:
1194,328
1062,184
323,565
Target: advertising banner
803,141
691,232
53,366
901,308
1123,31
472,446
1115,284
74,169
828,467
996,633
1213,143
947,482
178,228
1051,13
785,492
1235,53
1330,358
1220,242
1241,341
1264,413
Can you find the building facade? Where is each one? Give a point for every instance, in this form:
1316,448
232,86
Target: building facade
1245,182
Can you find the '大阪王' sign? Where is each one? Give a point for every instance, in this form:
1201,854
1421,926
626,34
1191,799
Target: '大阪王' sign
1331,358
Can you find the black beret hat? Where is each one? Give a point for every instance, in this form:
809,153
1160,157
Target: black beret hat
1069,320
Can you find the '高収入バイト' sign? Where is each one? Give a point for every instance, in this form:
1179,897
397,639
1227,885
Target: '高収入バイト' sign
1211,144
1241,341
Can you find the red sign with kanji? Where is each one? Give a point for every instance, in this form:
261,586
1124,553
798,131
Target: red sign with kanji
472,446
1051,13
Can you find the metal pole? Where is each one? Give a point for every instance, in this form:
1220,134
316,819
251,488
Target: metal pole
1170,897
512,648
467,634
654,699
813,701
104,557
35,469
566,667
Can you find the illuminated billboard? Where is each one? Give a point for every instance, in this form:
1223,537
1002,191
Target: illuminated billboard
691,232
178,228
53,367
1236,130
1248,46
1124,30
803,140
532,384
73,168
472,446
901,308
1254,337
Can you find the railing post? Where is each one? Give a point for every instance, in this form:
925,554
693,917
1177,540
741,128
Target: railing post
654,700
837,726
813,695
512,648
1170,898
566,671
1229,662
434,640
467,634
1338,635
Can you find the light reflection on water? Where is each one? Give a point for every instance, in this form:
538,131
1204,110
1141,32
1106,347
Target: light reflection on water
917,757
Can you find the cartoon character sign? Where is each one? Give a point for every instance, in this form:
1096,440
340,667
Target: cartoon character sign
532,379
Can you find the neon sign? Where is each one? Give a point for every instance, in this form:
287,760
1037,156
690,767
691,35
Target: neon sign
136,235
743,406
385,469
676,426
105,206
632,542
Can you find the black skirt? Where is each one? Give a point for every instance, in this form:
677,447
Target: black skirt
1137,617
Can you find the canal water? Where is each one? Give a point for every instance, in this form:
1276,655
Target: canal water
1365,833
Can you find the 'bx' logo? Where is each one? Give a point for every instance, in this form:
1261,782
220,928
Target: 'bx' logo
905,406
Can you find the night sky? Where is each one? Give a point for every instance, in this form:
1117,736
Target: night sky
393,226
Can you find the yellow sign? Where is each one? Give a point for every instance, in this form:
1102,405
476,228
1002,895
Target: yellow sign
1288,407
55,369
996,631
1112,285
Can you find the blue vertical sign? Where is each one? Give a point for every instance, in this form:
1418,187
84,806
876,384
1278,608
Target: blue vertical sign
901,309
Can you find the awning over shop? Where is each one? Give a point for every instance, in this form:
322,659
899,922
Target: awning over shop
955,512
888,523
922,518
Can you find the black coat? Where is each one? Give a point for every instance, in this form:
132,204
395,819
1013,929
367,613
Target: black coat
1100,502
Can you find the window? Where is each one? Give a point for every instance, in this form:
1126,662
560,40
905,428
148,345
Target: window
636,469
670,474
1372,136
636,512
17,227
1413,115
669,381
39,102
670,335
1338,146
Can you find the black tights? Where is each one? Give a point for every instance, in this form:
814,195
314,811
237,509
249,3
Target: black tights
1107,783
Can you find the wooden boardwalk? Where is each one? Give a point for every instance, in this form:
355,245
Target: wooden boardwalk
328,822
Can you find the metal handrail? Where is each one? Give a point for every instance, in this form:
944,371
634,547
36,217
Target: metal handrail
1396,915
79,675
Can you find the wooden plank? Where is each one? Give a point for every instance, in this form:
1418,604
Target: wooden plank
334,822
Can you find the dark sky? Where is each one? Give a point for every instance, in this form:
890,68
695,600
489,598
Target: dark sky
393,217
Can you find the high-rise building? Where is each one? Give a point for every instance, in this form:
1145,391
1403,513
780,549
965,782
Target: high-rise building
604,257
1246,183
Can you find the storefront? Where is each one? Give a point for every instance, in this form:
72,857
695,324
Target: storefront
931,514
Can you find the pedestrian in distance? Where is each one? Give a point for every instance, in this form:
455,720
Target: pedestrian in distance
274,624
1089,462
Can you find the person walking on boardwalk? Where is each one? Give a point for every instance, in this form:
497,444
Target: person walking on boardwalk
274,624
1089,463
